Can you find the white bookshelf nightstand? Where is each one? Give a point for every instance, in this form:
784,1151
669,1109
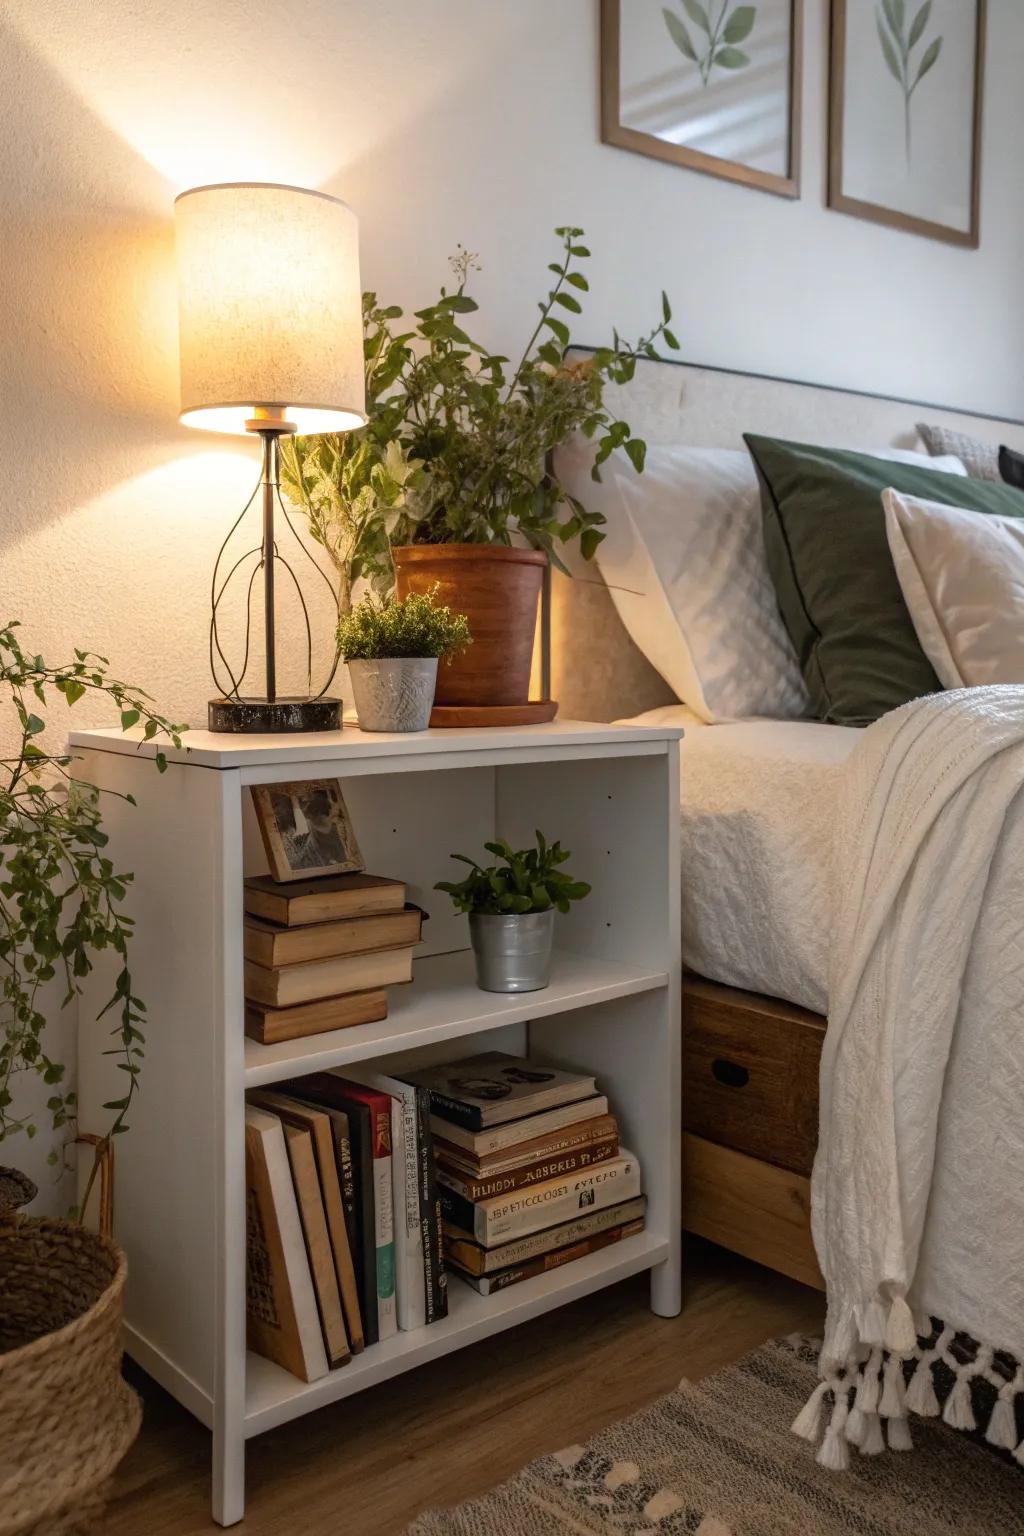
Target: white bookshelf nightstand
609,793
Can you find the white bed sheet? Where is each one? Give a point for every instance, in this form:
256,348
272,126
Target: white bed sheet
759,804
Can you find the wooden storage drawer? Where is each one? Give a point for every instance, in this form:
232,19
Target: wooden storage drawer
750,1073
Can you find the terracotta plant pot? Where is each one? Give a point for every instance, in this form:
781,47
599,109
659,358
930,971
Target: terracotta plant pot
498,590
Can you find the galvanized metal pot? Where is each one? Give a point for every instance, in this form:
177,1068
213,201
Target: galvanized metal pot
394,694
513,954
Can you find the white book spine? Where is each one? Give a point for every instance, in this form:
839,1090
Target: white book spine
412,1303
384,1228
547,1205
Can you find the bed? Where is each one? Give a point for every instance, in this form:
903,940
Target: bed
761,801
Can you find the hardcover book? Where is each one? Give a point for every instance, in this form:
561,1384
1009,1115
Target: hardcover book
318,1123
289,984
272,944
544,1205
302,1158
462,1249
268,1025
536,1172
281,1312
500,1137
487,1285
488,1090
318,901
584,1134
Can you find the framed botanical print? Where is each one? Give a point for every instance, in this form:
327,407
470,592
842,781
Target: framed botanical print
714,85
905,114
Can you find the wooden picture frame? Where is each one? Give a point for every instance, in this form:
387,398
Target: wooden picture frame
615,131
839,196
306,829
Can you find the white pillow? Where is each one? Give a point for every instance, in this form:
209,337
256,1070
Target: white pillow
685,563
962,577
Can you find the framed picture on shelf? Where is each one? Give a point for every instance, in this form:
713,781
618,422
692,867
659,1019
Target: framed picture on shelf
905,114
713,85
306,829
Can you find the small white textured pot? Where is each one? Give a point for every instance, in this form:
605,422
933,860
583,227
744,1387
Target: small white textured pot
396,694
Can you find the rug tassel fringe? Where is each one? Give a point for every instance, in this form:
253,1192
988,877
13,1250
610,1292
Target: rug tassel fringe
873,1443
900,1331
867,1387
856,1426
921,1397
894,1403
834,1453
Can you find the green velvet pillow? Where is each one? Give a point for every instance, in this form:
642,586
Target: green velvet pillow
828,556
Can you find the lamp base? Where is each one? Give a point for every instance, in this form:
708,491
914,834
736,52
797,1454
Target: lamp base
266,717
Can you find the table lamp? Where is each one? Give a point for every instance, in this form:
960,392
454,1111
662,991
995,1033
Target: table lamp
271,332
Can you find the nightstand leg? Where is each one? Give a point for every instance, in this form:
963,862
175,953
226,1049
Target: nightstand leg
667,1288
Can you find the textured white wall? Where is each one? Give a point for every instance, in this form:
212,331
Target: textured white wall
438,120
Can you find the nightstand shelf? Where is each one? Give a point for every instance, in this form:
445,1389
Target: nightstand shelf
609,793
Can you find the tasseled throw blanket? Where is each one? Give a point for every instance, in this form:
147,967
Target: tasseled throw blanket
918,1187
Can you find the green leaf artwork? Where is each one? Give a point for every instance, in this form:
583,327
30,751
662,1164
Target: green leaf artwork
723,26
899,36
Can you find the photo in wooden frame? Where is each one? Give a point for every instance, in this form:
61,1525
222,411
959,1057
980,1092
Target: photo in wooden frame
306,829
905,114
713,85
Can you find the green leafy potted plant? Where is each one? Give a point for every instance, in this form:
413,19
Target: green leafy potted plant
392,647
66,1415
471,503
511,909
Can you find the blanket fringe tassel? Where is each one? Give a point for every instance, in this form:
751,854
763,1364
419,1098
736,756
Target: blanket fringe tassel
890,1374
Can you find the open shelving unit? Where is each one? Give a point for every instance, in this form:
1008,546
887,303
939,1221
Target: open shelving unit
609,793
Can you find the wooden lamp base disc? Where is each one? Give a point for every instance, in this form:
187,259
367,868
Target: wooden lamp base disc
450,716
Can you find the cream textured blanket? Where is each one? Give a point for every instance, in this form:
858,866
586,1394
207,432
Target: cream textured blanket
918,1188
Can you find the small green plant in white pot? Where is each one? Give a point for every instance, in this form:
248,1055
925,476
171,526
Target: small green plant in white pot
511,909
392,647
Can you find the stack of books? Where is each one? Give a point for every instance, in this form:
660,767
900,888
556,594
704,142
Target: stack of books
319,954
344,1219
529,1166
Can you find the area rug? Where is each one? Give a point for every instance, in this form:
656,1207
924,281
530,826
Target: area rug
718,1459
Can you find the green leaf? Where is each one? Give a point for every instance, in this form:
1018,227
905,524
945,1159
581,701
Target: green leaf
697,13
679,35
560,329
578,281
129,717
666,308
918,25
568,302
928,61
670,340
740,24
33,725
732,58
889,51
73,691
636,450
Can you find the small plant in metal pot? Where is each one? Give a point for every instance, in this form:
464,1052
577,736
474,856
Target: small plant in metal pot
511,909
392,647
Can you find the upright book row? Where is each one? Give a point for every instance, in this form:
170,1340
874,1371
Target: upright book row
343,1218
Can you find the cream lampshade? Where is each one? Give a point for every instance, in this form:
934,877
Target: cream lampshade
271,338
269,308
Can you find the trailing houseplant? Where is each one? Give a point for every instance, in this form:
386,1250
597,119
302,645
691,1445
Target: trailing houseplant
61,908
468,499
511,907
392,647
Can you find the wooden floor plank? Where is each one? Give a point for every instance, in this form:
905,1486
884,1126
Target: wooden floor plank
368,1465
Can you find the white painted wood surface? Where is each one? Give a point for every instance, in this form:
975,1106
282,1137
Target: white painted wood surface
610,794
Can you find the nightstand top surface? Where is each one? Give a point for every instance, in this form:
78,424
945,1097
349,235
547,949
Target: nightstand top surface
208,749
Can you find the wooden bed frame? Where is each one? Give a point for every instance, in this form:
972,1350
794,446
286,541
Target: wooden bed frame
750,1124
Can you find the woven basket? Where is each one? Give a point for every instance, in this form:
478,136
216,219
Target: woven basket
67,1417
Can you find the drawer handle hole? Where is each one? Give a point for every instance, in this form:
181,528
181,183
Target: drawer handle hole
729,1073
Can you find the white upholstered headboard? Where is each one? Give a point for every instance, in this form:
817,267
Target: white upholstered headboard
596,671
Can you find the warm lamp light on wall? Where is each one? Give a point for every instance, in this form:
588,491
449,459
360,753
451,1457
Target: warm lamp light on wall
270,321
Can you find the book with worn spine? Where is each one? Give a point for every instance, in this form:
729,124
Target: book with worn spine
268,1025
282,1322
283,986
544,1205
556,1143
302,1158
378,1105
490,1089
500,1137
487,1285
461,1249
273,944
537,1172
322,899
